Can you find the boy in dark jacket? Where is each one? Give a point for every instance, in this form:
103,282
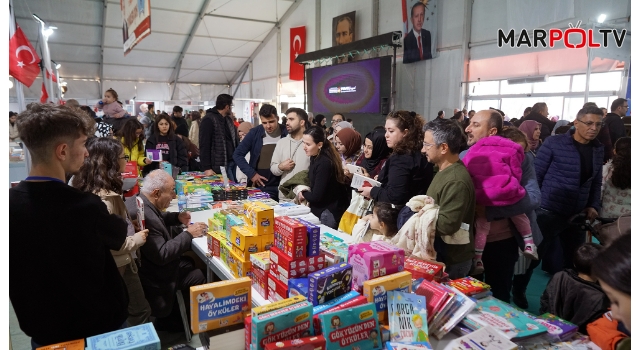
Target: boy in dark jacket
573,294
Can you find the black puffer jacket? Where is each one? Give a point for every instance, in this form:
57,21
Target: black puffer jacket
213,147
574,299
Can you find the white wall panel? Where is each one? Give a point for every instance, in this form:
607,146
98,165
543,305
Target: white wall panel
265,64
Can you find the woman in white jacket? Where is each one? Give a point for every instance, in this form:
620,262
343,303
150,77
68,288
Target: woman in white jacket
100,174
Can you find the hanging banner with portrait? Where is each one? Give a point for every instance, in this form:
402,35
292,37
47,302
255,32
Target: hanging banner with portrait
136,22
419,29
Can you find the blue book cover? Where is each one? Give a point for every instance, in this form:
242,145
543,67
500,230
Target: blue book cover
142,337
407,317
513,323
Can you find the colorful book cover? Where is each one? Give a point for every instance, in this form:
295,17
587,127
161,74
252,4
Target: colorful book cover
291,322
435,294
469,285
330,283
513,323
375,291
68,345
408,346
219,304
486,338
557,327
464,305
407,317
309,343
139,337
355,328
339,300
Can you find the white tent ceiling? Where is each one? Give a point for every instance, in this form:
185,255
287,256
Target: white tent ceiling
222,41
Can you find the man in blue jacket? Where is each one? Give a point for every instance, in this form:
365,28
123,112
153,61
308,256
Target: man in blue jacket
260,143
569,173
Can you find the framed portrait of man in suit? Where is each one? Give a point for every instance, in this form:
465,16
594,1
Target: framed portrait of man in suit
419,29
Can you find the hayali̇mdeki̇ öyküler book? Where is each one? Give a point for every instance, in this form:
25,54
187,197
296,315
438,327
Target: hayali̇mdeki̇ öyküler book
219,304
407,317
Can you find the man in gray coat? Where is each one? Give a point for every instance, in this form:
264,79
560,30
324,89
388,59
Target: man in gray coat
164,269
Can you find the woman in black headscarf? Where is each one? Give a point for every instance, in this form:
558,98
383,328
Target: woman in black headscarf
321,121
375,153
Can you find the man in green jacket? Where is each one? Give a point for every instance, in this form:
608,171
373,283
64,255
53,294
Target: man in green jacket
452,190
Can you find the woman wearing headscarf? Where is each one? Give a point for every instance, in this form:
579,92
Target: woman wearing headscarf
375,153
321,121
531,129
243,129
349,145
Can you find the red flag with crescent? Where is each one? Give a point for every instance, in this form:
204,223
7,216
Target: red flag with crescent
23,59
298,41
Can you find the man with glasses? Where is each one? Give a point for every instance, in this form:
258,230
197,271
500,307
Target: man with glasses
569,173
614,121
337,118
452,189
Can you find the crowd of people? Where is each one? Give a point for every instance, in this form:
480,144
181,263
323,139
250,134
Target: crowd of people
502,192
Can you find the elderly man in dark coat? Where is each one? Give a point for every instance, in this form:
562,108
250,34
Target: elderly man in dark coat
164,270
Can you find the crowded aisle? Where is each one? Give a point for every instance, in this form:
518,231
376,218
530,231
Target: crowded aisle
376,196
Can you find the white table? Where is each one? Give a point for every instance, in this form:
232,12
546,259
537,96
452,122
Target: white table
215,265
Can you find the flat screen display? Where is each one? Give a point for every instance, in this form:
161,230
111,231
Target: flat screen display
348,88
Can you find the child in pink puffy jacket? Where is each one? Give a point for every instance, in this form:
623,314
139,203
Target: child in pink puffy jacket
494,164
110,106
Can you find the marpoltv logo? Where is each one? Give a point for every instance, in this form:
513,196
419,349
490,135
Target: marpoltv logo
561,37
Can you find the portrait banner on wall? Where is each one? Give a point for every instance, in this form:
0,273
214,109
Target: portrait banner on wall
136,22
419,29
344,28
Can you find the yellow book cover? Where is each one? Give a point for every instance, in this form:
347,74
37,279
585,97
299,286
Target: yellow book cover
375,290
277,305
219,304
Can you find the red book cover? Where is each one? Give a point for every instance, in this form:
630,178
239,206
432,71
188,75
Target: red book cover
308,343
469,286
247,333
436,297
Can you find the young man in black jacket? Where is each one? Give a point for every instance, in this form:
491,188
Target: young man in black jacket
614,121
63,281
181,124
218,138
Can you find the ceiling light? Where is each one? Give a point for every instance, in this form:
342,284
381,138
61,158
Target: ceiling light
38,19
58,65
601,18
10,84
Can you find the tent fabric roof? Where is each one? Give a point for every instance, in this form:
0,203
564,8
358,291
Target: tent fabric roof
224,38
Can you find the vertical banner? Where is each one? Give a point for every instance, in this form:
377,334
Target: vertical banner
419,27
136,22
298,38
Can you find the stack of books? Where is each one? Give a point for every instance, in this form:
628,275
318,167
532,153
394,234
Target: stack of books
471,287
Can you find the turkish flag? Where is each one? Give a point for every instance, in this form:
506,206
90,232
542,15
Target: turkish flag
298,38
45,95
23,60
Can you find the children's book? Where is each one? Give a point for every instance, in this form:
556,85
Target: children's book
486,338
464,305
408,346
559,329
436,296
407,317
469,286
354,328
505,318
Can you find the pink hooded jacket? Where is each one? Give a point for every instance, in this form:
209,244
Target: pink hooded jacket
495,166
